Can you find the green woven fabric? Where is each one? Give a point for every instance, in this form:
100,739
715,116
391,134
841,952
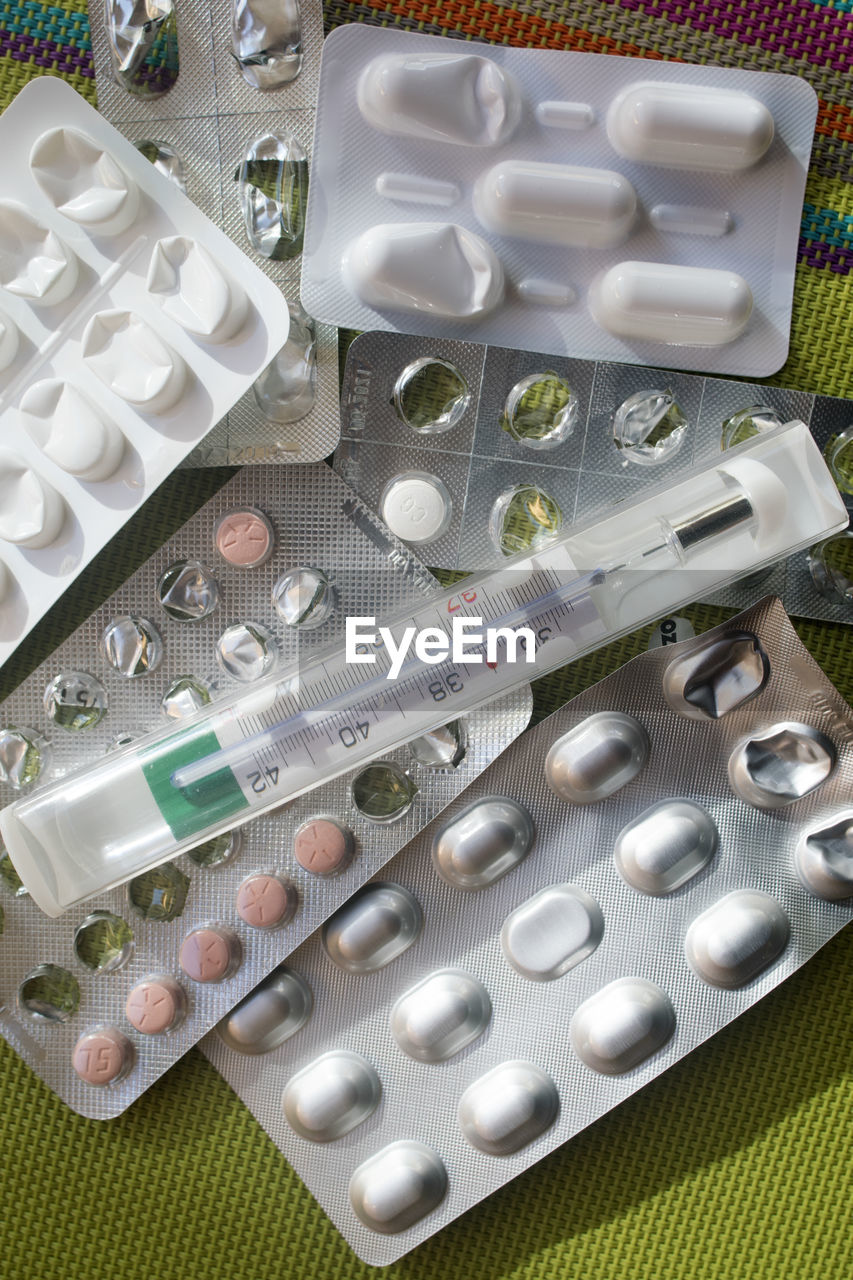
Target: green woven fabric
734,1164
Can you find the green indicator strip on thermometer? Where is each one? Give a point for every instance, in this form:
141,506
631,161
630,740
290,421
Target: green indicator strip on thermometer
719,521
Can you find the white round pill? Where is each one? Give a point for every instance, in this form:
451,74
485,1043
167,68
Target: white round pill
416,507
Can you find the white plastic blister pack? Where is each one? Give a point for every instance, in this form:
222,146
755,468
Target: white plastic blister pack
222,96
594,907
473,453
564,201
103,1000
130,325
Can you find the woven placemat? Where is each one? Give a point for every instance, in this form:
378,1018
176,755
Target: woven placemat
734,1164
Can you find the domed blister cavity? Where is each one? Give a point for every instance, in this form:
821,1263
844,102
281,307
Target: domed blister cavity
10,341
718,676
735,939
430,268
663,302
273,181
649,427
439,1016
551,932
666,846
781,765
84,182
331,1096
272,1013
286,390
196,293
266,40
508,1108
32,513
70,431
621,1025
688,126
597,758
398,1186
483,843
824,859
133,361
447,97
555,204
373,928
34,263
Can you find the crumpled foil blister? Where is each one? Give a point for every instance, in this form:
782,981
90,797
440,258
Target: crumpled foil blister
319,523
738,721
209,116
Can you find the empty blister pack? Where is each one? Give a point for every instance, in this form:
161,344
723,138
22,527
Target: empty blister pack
232,118
473,453
630,876
565,201
115,991
130,325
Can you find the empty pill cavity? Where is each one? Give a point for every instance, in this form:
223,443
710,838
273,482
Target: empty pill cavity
824,859
247,651
551,932
747,423
540,411
273,182
398,1186
689,126
219,850
277,1008
211,953
662,302
156,1006
133,361
373,928
621,1025
24,756
266,901
303,597
70,431
331,1096
597,758
440,1015
84,182
159,894
524,518
187,591
286,390
132,646
781,765
165,160
10,340
103,942
383,792
483,843
75,700
184,697
446,97
433,268
739,936
831,567
666,846
143,40
717,676
49,993
32,513
416,507
430,395
195,292
555,204
508,1108
323,846
34,263
266,40
838,454
649,427
441,749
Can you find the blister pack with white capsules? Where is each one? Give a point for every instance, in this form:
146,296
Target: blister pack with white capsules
625,880
129,325
557,200
105,998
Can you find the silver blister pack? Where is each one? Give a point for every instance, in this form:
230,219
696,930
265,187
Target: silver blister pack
469,452
207,116
630,876
266,571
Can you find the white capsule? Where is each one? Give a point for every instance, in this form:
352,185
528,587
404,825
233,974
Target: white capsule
663,302
483,843
621,1025
824,859
398,1186
428,268
666,846
551,932
508,1108
378,924
331,1096
555,203
598,757
439,1016
446,97
688,126
736,938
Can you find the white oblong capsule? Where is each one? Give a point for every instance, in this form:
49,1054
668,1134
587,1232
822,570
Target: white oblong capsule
663,302
688,126
736,938
555,203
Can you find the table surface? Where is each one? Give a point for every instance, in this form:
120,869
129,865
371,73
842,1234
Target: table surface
734,1163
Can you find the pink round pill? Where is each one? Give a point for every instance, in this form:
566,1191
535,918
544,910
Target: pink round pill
210,954
156,1005
266,901
323,846
244,537
103,1056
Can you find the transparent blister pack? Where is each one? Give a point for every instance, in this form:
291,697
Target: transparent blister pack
130,325
557,200
473,453
621,904
117,989
238,133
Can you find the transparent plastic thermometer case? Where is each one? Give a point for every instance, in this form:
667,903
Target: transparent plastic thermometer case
171,790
